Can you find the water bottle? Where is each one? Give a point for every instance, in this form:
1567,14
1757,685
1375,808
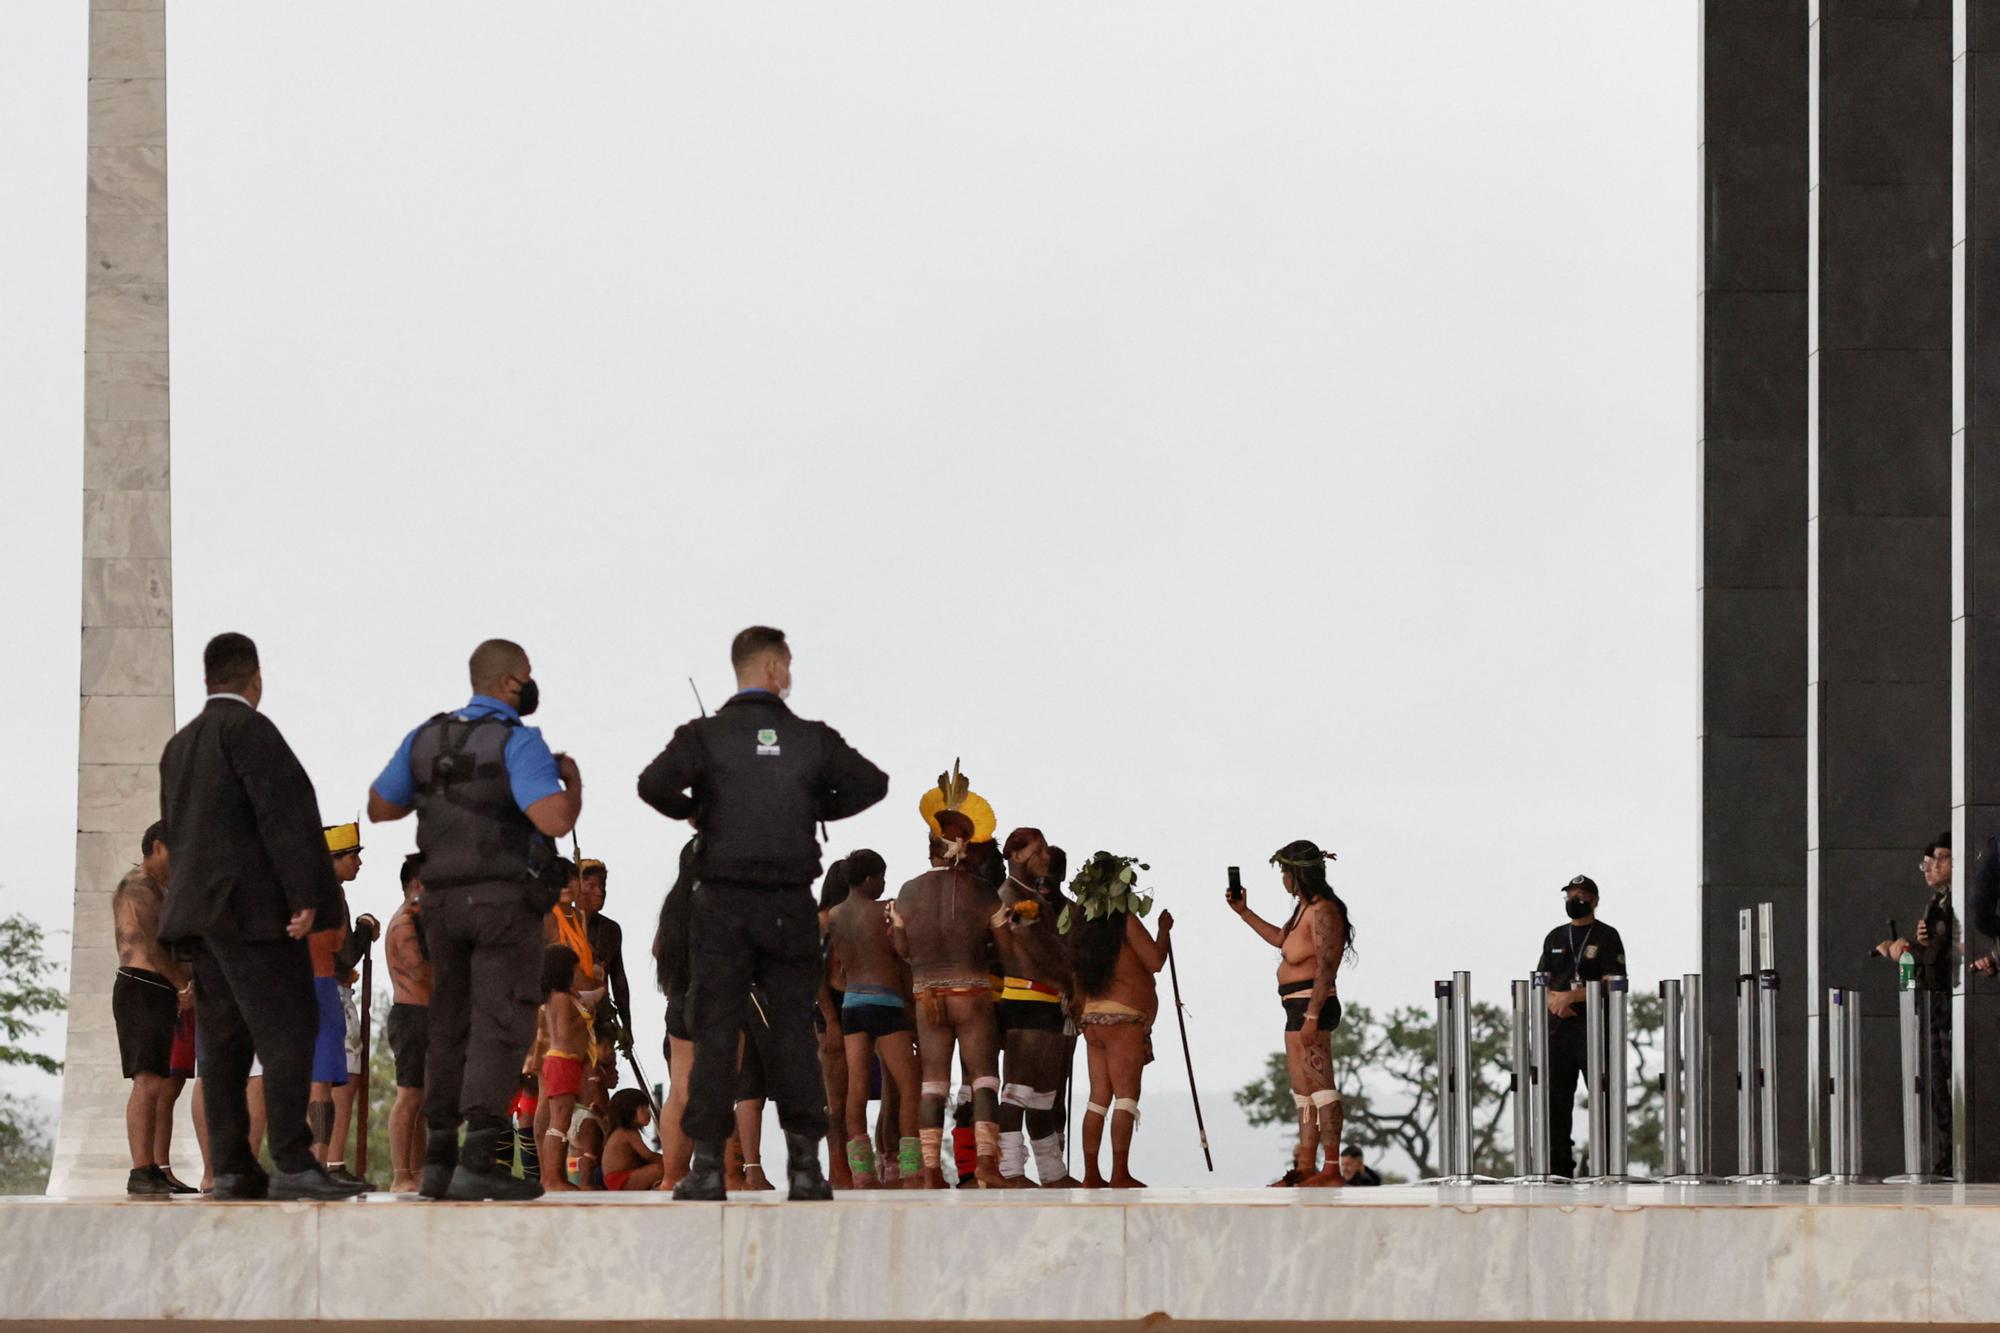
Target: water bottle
1906,971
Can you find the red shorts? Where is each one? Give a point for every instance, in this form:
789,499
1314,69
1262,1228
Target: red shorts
615,1180
562,1076
181,1062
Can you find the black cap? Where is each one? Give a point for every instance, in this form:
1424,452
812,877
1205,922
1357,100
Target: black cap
1584,882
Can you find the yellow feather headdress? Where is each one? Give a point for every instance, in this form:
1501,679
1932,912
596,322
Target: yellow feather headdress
954,792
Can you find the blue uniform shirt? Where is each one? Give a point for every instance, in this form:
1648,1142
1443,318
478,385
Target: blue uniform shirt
531,768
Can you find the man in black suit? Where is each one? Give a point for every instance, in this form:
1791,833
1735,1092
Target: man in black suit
248,881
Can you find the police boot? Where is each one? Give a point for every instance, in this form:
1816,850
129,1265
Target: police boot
802,1166
479,1175
440,1157
703,1182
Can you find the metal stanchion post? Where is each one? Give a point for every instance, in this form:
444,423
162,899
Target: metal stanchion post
1618,997
1673,1157
1746,1045
1694,1084
1766,1070
1917,1131
1447,1091
1593,1076
1843,1091
1520,1082
1461,1068
1538,1084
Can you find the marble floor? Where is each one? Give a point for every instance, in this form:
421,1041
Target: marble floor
1499,1254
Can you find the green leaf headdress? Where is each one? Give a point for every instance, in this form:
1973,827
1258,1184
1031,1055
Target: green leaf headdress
1105,885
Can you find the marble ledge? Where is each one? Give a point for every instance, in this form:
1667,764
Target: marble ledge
1210,1255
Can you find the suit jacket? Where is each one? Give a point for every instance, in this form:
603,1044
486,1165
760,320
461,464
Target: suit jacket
243,826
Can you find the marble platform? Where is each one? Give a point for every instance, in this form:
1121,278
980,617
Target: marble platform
1639,1254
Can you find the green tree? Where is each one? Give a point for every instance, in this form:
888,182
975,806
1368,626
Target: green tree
1385,1068
26,997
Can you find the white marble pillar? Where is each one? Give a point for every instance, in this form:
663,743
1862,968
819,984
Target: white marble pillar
126,707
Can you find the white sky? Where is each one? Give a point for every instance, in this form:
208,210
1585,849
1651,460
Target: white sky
1216,426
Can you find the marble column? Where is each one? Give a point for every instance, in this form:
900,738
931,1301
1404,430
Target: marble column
1753,502
1975,583
127,689
1879,517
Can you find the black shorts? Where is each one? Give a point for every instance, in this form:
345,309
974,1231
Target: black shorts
144,1006
819,1014
677,1020
1028,1016
876,1020
410,1041
1295,1012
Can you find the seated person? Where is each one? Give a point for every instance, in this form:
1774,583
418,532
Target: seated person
629,1164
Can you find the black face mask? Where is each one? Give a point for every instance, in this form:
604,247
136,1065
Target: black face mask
531,697
1578,908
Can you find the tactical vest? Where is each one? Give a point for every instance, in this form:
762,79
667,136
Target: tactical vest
468,828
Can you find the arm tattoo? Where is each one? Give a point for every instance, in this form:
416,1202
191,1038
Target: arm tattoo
1326,956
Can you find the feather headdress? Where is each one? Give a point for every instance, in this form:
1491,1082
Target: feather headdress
954,792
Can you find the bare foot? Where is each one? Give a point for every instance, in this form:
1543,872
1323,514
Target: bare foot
918,1182
1092,1181
1065,1183
558,1187
1329,1177
933,1178
754,1178
842,1178
403,1184
987,1173
1124,1180
667,1183
1291,1178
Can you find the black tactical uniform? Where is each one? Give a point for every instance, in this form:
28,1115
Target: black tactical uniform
1572,954
758,779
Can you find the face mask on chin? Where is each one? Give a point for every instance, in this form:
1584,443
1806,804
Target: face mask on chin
1577,908
531,697
785,693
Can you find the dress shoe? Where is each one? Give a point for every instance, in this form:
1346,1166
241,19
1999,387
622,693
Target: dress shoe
808,1184
251,1185
703,1182
347,1177
479,1177
312,1183
180,1186
147,1180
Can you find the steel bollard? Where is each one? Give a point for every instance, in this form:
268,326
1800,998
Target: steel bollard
1520,1082
1746,1044
1673,1156
1762,1092
1919,1135
1538,1084
1843,1088
1447,1093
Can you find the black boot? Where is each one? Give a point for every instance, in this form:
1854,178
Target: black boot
703,1181
479,1176
147,1180
802,1166
440,1159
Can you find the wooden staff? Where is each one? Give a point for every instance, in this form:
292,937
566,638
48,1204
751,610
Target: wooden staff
1180,1014
361,1093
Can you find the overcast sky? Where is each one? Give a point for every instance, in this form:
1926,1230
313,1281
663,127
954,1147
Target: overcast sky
1215,425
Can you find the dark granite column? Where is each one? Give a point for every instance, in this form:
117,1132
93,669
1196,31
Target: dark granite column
1879,529
1753,506
1975,604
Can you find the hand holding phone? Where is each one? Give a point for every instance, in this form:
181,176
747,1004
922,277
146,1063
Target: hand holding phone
1234,894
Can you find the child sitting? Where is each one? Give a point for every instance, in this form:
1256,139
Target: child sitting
629,1164
570,1046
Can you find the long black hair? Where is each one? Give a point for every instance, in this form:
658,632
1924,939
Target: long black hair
1307,864
1093,950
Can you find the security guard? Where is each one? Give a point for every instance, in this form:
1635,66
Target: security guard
1585,949
489,798
757,778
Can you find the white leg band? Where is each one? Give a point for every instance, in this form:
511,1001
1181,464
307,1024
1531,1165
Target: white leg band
1092,1108
1020,1094
964,1094
1300,1100
1049,1164
1129,1105
986,1084
1013,1153
930,1089
1326,1097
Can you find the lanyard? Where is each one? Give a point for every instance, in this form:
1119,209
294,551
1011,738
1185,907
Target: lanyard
1576,951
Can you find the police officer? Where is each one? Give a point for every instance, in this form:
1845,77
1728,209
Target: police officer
1584,949
758,779
489,799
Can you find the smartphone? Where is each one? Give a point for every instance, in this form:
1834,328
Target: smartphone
1235,883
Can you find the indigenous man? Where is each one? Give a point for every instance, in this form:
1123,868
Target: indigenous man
876,1021
409,1028
942,923
607,947
146,1001
1034,997
336,1050
1311,945
826,1024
